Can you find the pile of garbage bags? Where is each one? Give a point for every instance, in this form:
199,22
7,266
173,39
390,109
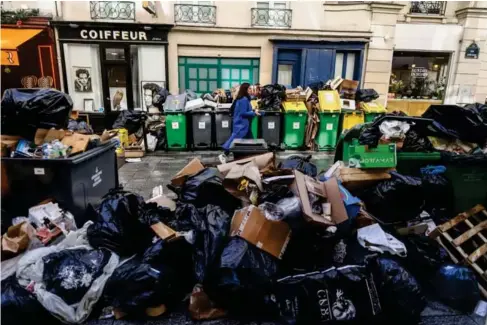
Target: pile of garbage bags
284,244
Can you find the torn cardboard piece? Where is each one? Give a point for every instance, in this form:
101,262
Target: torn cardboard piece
354,178
264,162
329,194
241,173
251,224
17,238
78,142
191,168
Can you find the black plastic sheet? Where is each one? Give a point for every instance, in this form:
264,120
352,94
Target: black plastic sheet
438,195
398,199
130,120
117,226
272,97
26,110
301,163
415,142
467,123
69,273
160,98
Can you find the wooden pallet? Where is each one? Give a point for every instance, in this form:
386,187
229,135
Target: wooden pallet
465,239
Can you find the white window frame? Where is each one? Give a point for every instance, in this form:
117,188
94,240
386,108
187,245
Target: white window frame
272,4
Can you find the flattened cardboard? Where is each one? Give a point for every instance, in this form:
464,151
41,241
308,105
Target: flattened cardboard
264,162
193,167
53,134
353,178
78,142
39,136
328,190
251,224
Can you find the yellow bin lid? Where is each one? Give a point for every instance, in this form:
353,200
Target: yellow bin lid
373,107
294,106
254,103
329,101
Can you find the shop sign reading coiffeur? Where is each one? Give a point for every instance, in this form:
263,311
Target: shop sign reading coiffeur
115,35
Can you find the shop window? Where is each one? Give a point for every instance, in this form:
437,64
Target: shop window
345,65
115,54
419,75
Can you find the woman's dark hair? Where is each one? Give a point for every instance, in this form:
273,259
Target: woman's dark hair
243,91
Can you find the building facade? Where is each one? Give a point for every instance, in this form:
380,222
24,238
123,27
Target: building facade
422,52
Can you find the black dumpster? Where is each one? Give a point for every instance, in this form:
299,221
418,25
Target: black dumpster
72,182
223,126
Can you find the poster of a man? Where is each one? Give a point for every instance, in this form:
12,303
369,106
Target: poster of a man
82,81
150,94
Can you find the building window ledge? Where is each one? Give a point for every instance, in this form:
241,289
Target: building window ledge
271,18
425,18
189,14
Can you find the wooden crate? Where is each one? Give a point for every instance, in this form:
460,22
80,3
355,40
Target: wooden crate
465,239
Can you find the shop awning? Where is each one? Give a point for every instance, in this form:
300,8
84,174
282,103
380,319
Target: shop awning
12,38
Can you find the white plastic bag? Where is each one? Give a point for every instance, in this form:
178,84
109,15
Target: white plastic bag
151,142
375,239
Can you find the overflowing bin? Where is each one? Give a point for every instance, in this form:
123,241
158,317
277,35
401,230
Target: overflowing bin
328,130
271,128
295,116
176,130
73,182
372,110
350,119
223,126
202,126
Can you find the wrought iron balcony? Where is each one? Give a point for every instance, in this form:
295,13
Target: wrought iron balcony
194,14
265,17
428,7
116,10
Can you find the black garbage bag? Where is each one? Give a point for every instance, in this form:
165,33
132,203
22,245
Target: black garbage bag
398,199
467,123
24,110
19,306
456,286
438,193
425,257
401,295
159,98
301,163
243,279
130,120
210,226
366,95
117,226
370,136
479,109
69,273
415,142
272,96
345,294
275,192
160,134
205,187
291,206
146,280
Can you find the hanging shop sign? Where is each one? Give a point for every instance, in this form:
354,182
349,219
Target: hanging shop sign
149,6
419,73
114,33
472,51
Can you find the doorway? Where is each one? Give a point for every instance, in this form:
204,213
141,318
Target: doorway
116,77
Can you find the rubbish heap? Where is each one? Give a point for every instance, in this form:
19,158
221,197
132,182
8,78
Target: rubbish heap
255,240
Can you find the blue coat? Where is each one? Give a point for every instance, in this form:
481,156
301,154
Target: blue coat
242,119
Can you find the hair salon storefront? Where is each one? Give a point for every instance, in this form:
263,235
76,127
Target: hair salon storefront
107,67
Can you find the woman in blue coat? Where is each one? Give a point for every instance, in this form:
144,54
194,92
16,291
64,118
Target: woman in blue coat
242,114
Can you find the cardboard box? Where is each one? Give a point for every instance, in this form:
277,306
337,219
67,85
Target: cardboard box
193,167
78,142
134,153
9,143
264,162
270,236
353,178
328,191
232,180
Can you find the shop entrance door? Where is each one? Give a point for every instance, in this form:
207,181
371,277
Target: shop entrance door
116,78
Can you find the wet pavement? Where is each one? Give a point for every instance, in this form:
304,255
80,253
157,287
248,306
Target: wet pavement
142,177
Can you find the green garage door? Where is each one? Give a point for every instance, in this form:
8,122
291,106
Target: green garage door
203,75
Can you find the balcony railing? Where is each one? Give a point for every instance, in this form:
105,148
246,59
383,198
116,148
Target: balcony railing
194,14
428,7
265,17
116,10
